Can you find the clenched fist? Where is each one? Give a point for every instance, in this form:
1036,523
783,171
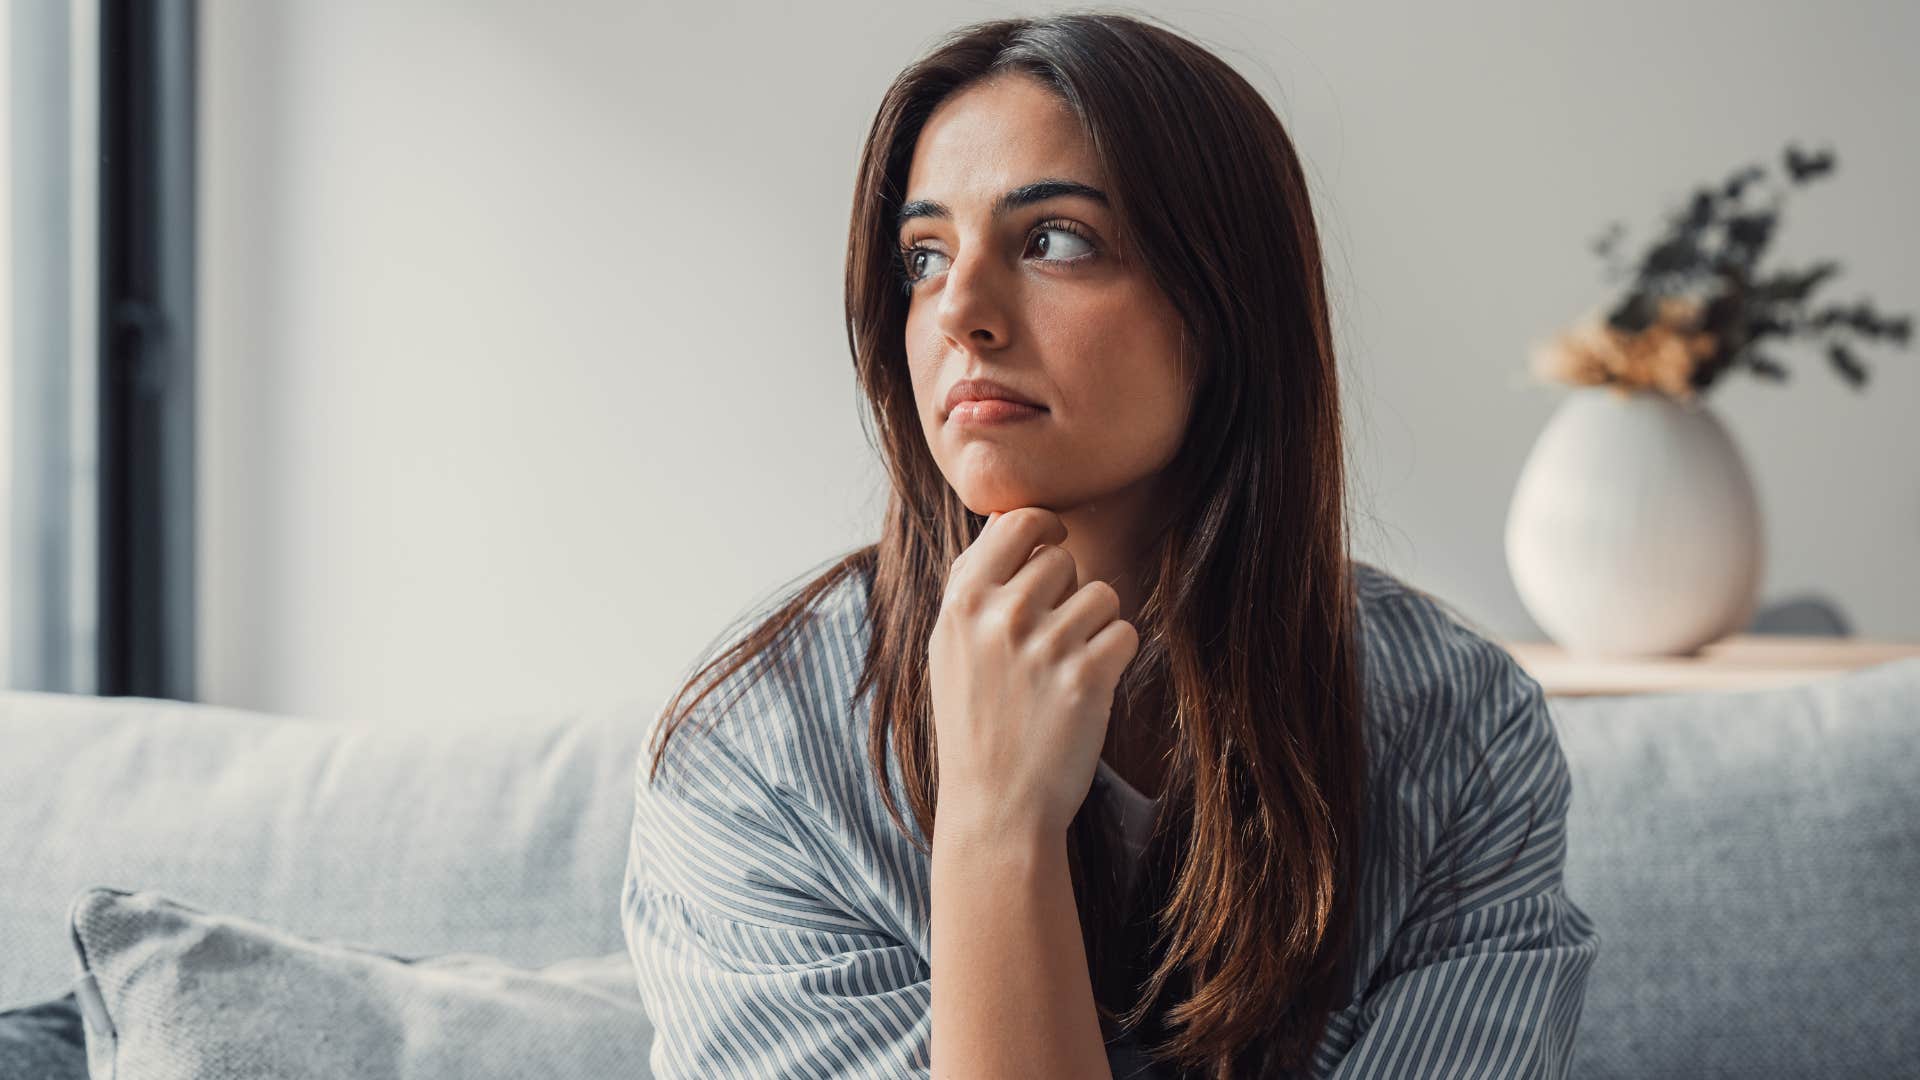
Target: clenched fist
1024,662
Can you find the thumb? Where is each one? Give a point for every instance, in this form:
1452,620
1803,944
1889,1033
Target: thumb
990,518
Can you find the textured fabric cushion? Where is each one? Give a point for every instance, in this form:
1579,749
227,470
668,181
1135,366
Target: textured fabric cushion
499,835
176,993
43,1041
1750,860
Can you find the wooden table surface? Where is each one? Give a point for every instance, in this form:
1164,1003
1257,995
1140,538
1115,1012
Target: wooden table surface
1739,662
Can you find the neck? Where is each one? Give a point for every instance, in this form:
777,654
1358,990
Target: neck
1108,539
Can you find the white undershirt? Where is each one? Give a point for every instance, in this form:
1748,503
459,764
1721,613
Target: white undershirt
1135,811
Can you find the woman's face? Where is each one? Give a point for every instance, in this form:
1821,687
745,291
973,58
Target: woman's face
1035,296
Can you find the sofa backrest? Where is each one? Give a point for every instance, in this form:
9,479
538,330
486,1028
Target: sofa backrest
1750,860
506,837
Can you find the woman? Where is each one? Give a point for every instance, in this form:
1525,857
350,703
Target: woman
1213,798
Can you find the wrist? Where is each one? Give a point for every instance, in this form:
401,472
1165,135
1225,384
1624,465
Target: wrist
960,830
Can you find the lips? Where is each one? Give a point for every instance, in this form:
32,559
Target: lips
991,411
986,389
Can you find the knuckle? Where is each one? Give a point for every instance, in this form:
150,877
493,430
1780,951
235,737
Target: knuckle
962,599
1105,595
996,622
1076,675
1053,553
1036,517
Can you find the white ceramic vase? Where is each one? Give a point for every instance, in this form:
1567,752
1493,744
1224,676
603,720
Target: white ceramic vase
1635,529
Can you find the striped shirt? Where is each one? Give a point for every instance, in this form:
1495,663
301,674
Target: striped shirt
779,924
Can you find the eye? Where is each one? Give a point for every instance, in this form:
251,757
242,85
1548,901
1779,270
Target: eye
912,267
1075,240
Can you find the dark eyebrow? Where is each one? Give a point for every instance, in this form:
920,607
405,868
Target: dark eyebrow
1023,195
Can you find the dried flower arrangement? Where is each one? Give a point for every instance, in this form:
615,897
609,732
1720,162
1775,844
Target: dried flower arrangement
1696,306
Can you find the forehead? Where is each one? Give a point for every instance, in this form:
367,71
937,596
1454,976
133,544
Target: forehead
995,135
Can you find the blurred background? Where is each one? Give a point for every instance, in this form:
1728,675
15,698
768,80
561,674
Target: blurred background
378,359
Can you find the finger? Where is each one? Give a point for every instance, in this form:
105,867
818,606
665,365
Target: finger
1088,611
1003,551
1048,579
1114,647
975,542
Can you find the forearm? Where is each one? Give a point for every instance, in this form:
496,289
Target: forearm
1011,994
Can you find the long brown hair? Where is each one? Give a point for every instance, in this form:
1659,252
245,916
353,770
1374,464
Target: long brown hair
1235,952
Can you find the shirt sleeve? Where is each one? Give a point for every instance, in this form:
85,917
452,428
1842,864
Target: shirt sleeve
1488,983
749,961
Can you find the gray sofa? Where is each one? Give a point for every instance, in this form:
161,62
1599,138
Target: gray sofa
1750,858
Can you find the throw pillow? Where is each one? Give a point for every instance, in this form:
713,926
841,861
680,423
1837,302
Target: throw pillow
171,992
42,1041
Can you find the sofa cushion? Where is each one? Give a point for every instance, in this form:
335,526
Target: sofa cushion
170,992
1750,859
501,835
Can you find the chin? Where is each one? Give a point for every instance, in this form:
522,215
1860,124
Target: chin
983,501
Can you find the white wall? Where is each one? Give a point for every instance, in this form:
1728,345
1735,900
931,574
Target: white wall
7,105
524,362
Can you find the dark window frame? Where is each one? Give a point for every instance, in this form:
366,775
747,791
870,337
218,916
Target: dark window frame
147,573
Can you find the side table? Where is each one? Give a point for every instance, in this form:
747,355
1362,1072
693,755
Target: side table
1737,662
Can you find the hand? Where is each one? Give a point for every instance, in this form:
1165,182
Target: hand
1024,662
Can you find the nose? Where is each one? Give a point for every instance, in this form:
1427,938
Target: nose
972,309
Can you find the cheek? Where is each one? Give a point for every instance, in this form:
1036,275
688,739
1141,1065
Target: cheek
1126,380
923,372
1144,406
